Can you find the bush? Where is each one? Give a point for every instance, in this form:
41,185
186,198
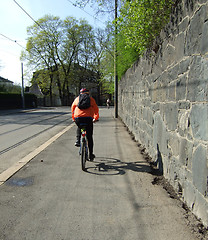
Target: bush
10,88
139,24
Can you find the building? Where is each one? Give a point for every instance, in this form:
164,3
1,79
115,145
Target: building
4,81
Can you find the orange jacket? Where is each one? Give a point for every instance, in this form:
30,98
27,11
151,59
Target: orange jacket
92,111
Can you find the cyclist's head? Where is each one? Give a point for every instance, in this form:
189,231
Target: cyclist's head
84,90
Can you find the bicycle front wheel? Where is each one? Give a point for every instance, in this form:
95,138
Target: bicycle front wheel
83,156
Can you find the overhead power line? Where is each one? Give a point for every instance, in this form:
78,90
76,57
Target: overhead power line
15,41
30,16
67,0
27,13
86,12
33,21
39,24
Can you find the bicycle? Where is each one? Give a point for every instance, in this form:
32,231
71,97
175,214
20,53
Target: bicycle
83,151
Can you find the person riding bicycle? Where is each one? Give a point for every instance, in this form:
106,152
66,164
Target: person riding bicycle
85,111
108,103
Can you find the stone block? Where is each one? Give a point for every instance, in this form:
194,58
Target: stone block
202,1
194,32
197,87
174,143
153,92
148,115
199,169
160,139
184,65
189,193
199,121
179,46
183,24
185,155
200,208
171,116
183,122
204,45
171,91
168,55
181,88
184,105
173,169
155,107
173,73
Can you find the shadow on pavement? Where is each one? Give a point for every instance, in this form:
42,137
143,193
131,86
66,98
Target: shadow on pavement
113,166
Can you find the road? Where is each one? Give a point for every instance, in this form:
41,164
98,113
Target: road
51,198
23,132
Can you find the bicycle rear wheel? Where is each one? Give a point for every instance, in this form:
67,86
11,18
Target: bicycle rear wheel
83,155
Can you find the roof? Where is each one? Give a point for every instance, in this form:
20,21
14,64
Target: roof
4,80
35,89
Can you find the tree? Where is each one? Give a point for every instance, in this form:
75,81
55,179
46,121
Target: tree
53,45
44,39
92,55
107,60
64,54
112,7
139,23
77,34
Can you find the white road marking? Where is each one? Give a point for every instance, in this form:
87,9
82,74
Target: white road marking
17,166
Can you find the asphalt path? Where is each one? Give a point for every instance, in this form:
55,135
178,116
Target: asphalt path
22,132
51,198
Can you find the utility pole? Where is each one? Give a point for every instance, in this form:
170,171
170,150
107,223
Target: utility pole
22,91
116,62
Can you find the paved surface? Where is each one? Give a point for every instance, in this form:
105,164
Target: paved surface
50,198
23,134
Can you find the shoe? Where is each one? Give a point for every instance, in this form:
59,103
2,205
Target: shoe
77,144
92,156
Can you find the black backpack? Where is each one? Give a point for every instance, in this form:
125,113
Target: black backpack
84,101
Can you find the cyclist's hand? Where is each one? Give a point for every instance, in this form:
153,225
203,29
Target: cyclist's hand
94,120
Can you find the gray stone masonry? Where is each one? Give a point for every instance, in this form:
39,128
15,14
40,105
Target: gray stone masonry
163,100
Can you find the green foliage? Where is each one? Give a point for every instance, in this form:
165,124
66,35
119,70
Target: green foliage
42,78
141,21
108,86
10,88
55,46
126,56
138,24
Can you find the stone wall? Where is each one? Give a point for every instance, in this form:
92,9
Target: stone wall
163,100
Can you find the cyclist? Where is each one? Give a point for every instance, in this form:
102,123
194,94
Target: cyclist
108,103
85,112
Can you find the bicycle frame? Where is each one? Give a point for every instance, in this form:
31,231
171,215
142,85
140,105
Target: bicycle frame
83,151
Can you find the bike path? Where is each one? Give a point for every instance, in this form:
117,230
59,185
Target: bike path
52,198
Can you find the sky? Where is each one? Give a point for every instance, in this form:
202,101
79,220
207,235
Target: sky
14,23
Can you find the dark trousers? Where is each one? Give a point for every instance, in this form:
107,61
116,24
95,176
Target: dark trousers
89,129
